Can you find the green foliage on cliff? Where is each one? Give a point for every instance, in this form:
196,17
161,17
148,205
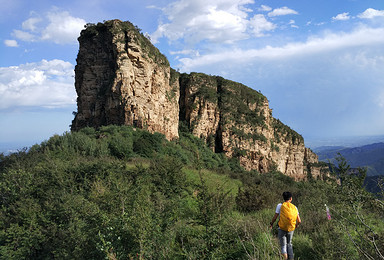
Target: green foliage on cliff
174,76
115,27
145,43
123,193
282,131
241,104
203,86
238,106
254,136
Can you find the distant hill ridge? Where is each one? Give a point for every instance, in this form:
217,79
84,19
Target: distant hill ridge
122,79
370,156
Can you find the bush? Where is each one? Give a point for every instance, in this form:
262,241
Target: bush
146,144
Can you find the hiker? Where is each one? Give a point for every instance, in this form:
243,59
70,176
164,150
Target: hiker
288,221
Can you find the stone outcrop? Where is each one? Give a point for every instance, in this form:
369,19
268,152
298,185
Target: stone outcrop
237,121
121,78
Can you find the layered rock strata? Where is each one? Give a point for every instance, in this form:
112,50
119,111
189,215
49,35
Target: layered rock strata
121,78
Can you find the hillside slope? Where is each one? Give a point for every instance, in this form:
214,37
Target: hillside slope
123,193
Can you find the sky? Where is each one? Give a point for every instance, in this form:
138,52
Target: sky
319,63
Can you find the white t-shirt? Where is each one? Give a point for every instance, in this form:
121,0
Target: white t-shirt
278,207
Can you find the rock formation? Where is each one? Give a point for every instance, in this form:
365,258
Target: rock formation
121,78
237,121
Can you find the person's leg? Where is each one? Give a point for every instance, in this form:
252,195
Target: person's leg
283,242
289,244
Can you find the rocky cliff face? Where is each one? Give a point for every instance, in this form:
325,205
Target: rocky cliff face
237,121
123,79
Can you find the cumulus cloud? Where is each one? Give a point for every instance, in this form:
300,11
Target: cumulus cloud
31,24
259,24
56,26
371,13
220,21
11,43
62,28
341,17
223,21
46,83
282,11
24,36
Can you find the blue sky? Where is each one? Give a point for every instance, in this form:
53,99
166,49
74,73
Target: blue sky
320,63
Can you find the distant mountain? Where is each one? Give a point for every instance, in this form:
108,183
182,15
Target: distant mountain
347,142
370,156
325,150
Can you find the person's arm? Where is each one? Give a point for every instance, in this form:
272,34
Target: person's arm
298,221
274,219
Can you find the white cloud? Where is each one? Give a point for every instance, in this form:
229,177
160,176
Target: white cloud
56,26
282,11
292,24
259,25
186,52
371,13
363,36
217,21
223,21
11,43
265,8
31,24
24,36
62,28
46,83
341,17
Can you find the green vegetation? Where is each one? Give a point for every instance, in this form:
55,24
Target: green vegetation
203,85
174,76
148,48
283,131
249,136
123,193
241,104
238,107
116,26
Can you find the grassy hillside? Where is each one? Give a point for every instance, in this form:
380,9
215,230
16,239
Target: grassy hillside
123,193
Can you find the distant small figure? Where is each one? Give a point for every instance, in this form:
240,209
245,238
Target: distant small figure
289,220
328,214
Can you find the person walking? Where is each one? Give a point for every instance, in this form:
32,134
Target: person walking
289,220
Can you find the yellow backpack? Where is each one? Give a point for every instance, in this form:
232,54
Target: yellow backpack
288,216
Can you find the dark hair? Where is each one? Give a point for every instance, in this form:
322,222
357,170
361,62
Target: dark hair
287,195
